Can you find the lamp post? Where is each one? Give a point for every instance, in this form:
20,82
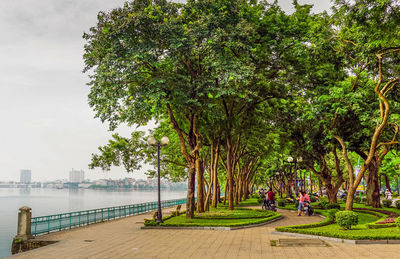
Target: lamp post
294,161
153,142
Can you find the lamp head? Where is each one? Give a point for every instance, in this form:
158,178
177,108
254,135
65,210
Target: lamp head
151,141
164,141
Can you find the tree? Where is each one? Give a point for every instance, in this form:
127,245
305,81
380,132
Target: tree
372,54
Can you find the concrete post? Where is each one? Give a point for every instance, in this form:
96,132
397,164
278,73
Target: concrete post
24,223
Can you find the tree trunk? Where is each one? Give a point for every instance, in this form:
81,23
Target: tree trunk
331,192
226,192
373,198
200,187
350,198
320,187
190,202
246,190
387,182
219,193
229,169
210,187
215,175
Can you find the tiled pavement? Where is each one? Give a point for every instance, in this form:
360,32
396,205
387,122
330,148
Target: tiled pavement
123,238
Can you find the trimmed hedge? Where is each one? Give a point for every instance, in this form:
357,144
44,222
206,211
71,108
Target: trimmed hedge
375,225
360,232
220,217
327,221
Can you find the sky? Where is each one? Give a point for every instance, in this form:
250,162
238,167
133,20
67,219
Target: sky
47,125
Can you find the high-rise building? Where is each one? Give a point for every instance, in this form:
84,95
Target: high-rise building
76,176
25,176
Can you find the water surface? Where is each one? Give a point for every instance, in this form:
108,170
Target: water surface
53,201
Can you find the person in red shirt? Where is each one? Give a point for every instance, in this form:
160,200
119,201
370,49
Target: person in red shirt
270,196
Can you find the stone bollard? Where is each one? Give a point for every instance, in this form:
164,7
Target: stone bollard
21,241
24,223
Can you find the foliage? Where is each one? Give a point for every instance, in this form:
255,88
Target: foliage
332,213
357,200
387,203
281,202
121,151
323,204
346,219
313,199
397,203
397,221
332,206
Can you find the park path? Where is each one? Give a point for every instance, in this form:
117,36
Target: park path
123,238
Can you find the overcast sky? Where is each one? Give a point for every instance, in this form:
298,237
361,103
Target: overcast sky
46,123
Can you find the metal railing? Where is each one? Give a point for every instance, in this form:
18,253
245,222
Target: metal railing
52,223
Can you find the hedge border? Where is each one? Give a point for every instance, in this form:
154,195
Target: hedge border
302,229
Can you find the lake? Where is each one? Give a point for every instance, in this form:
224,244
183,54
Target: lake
54,201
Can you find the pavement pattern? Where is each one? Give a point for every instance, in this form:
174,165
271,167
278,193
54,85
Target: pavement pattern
123,238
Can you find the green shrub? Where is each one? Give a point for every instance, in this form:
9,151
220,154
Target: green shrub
323,204
260,200
281,202
387,203
346,219
332,213
397,203
313,199
364,199
357,200
255,196
397,221
297,203
332,206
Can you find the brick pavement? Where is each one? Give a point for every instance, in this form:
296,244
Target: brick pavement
123,238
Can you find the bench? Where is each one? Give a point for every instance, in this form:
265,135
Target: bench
177,210
154,216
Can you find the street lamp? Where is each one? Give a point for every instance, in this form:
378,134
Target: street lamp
153,142
292,160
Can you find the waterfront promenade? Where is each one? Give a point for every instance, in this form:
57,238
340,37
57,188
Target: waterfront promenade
123,238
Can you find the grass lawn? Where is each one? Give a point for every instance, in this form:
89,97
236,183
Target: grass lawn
221,217
360,231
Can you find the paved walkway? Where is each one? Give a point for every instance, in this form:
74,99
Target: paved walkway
123,238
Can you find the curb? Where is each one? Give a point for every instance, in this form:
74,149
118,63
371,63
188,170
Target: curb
214,228
339,240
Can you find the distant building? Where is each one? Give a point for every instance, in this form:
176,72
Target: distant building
76,176
25,176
